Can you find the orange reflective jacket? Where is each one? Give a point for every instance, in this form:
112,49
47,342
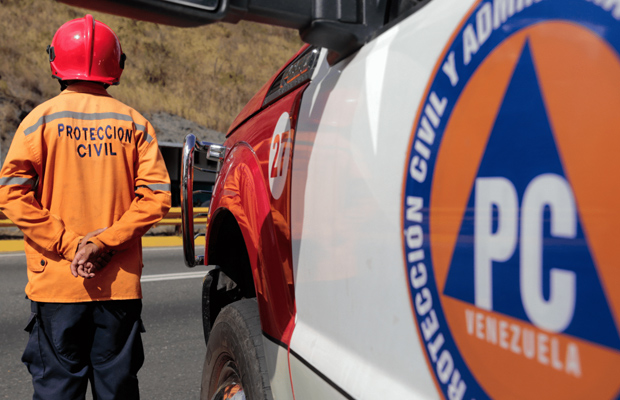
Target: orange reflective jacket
79,162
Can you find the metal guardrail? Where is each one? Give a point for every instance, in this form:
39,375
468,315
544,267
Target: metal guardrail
173,218
5,222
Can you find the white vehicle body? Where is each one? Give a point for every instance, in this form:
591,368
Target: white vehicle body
354,319
356,332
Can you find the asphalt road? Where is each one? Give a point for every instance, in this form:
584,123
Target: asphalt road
174,343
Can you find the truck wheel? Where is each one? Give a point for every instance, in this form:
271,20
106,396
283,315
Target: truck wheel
235,366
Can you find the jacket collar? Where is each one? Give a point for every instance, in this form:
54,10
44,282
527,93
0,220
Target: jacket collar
86,87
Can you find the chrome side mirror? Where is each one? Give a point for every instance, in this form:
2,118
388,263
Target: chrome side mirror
215,152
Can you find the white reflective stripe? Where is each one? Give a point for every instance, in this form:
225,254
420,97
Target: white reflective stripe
86,117
15,180
164,187
173,277
147,137
79,116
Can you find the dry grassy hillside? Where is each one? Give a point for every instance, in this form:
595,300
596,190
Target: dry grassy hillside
204,74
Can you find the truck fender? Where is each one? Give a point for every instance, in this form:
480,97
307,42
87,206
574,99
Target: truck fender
241,198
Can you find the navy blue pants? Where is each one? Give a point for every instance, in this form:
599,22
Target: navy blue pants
71,344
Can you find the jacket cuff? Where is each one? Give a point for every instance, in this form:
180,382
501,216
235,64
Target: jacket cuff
97,243
70,243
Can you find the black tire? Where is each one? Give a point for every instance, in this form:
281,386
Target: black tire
235,357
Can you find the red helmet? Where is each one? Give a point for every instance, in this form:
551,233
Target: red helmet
87,50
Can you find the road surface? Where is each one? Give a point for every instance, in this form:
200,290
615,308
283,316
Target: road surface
174,342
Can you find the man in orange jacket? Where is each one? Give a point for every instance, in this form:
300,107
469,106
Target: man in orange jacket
84,179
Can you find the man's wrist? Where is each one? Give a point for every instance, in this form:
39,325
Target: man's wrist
71,242
98,243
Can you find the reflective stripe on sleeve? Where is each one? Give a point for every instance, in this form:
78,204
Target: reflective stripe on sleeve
164,187
15,180
142,128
